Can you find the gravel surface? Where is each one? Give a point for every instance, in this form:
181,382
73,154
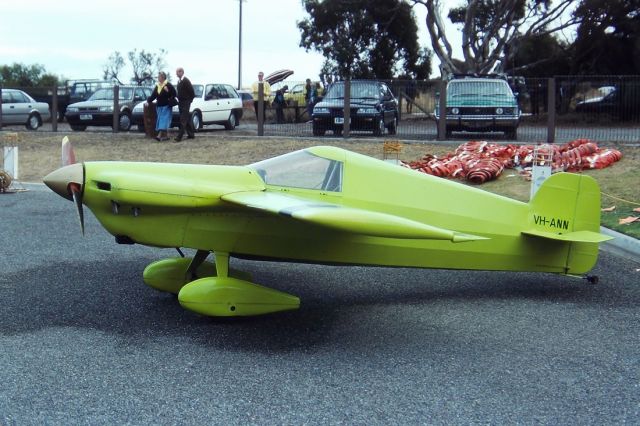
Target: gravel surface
84,341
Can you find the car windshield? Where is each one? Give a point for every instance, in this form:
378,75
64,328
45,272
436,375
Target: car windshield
358,90
107,94
301,169
478,88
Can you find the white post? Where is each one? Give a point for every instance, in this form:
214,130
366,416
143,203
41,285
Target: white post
542,162
11,161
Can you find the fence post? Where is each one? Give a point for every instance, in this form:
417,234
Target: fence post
116,109
260,109
0,107
54,108
551,110
346,126
442,106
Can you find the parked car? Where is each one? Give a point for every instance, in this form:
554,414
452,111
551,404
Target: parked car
214,104
247,99
297,94
609,103
20,108
372,108
481,104
98,109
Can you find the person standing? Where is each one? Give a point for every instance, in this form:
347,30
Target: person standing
266,90
185,97
164,94
279,102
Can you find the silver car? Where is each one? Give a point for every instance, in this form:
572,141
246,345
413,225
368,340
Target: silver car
20,108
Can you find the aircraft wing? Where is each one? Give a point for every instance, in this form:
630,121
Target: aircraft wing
342,218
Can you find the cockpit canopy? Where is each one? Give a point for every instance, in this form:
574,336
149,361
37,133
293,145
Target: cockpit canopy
301,169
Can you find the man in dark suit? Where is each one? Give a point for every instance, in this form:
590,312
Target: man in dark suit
185,97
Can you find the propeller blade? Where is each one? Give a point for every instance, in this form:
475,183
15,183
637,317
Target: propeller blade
76,194
68,155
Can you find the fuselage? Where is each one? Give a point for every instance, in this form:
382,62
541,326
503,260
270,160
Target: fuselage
172,205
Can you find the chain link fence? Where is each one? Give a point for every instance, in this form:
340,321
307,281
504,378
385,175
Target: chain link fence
559,109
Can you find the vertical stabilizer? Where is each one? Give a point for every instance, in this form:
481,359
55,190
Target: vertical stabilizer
566,209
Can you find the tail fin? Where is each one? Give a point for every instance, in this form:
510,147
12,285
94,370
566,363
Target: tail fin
567,208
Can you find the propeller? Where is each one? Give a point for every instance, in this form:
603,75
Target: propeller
68,180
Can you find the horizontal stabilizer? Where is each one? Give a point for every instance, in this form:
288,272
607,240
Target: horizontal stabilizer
574,237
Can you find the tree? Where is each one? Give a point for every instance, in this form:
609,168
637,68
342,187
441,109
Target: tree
537,56
112,68
21,75
144,66
608,37
364,38
489,26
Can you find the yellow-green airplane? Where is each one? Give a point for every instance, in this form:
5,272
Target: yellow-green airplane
326,205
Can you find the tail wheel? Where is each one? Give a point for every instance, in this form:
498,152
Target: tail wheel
34,121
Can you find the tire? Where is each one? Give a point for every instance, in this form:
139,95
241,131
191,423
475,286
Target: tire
124,122
232,122
318,130
196,120
33,122
448,133
393,127
338,131
512,133
78,127
379,129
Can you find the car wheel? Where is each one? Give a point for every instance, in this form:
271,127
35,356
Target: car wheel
448,133
318,130
231,122
337,131
124,122
393,127
78,127
196,120
379,129
33,122
512,133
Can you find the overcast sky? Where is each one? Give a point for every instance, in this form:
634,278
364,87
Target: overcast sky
74,38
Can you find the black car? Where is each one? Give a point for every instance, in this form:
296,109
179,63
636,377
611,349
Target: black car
372,108
98,109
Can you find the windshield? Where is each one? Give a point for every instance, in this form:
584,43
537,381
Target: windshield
478,88
107,94
358,90
301,169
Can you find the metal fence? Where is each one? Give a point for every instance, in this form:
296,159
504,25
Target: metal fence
559,109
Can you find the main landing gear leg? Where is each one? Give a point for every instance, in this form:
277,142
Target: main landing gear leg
227,294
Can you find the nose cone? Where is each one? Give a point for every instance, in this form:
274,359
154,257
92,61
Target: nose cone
58,180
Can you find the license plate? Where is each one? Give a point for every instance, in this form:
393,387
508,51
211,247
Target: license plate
338,120
86,117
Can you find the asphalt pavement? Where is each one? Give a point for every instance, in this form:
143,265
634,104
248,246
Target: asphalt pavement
84,341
